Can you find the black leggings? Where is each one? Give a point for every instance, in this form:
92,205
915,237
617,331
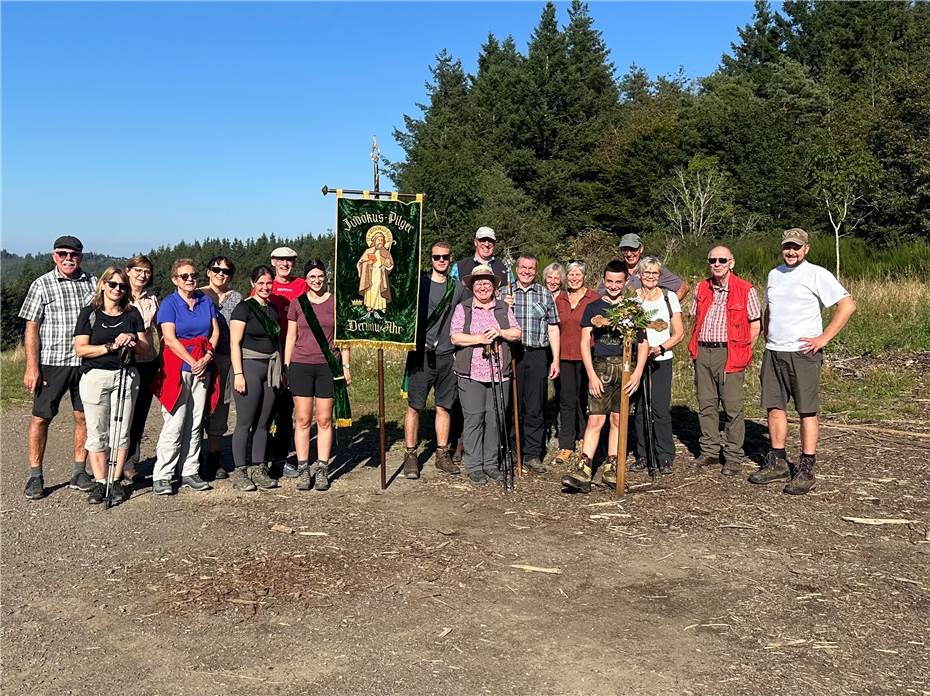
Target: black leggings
147,372
573,402
661,375
253,411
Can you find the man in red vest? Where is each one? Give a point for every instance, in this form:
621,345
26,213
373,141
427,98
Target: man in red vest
726,327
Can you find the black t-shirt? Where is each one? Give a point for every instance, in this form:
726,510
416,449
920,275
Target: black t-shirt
105,329
607,342
255,337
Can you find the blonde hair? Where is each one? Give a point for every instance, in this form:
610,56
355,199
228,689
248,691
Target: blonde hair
105,277
648,262
555,267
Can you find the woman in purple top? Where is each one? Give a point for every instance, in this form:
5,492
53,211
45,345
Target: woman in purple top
310,377
477,322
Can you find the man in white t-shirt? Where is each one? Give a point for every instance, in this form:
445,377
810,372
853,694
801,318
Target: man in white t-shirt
796,294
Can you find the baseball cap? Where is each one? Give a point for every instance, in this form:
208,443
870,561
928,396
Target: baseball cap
795,236
284,253
485,233
631,241
68,242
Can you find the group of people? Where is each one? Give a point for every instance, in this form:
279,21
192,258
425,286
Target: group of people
483,333
114,347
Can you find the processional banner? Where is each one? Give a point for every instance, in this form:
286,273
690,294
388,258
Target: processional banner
377,274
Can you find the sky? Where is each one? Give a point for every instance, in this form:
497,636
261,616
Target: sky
135,125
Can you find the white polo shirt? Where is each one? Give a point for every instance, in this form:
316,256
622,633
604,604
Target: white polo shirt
796,298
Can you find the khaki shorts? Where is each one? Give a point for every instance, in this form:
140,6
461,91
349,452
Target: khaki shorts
610,372
789,375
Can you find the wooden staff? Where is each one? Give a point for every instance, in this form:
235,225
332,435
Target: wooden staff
624,415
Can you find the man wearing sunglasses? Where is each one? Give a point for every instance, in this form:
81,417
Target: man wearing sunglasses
631,249
430,365
727,323
796,293
51,309
285,289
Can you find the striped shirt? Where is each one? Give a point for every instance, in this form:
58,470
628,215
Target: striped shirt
714,329
536,312
54,302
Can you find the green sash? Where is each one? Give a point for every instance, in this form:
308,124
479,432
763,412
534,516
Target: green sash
435,316
342,411
272,328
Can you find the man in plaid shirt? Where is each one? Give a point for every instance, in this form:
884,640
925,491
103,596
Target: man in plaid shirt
538,316
51,310
726,326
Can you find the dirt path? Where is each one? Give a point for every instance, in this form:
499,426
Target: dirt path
703,586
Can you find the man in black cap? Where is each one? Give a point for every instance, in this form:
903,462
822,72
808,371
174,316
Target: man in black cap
51,310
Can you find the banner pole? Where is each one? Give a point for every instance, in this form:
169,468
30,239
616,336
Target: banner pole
375,156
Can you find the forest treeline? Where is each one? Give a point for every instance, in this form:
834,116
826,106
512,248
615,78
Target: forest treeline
818,117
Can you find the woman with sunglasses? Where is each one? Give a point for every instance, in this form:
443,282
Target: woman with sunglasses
255,349
104,330
310,374
220,271
664,306
190,331
139,271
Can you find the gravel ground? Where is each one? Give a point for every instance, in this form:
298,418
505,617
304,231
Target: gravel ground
697,585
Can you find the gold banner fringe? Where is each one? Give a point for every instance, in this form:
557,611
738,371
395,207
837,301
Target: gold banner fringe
352,342
343,422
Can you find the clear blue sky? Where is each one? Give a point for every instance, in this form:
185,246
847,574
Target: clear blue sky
133,125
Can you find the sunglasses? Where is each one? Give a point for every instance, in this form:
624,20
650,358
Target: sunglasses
217,270
485,241
68,254
791,245
113,285
441,257
187,276
721,260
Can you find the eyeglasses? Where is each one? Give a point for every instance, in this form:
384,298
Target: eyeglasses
283,259
627,250
187,276
68,254
219,269
441,257
721,260
113,285
649,273
485,241
139,270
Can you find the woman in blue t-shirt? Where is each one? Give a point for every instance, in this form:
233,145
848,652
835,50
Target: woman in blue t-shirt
190,332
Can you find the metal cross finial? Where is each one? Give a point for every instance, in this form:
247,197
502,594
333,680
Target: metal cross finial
375,156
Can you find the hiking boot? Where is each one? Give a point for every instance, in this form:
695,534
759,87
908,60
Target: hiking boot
81,482
211,470
637,465
578,477
411,464
305,477
609,471
773,468
119,492
260,476
290,470
803,480
97,493
534,464
444,461
195,483
479,478
731,467
321,480
561,459
665,467
241,480
220,472
709,460
162,487
35,487
494,474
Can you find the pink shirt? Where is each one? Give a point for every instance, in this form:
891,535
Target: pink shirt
306,349
482,319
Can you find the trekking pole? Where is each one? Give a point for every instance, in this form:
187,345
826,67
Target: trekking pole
489,353
507,453
116,428
652,463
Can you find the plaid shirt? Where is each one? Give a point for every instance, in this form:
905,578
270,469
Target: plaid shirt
536,312
54,302
714,329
